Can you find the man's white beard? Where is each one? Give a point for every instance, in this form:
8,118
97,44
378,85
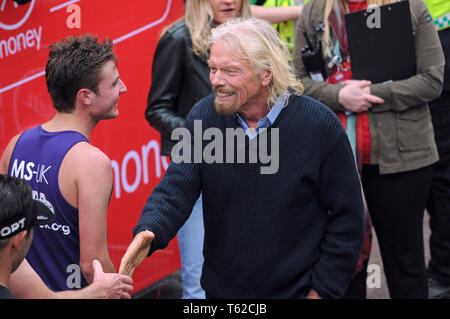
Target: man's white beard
228,107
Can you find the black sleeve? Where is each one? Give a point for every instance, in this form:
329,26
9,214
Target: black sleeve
171,202
342,241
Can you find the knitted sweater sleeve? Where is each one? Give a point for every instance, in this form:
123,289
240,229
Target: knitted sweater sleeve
343,238
171,201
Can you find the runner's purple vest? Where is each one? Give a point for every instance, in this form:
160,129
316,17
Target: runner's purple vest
55,251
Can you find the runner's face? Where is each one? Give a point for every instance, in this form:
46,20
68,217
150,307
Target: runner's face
109,90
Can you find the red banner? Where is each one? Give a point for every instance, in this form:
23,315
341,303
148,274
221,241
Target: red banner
26,31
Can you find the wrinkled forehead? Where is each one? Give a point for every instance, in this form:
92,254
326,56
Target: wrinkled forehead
236,49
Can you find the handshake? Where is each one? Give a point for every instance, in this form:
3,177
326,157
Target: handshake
119,286
136,252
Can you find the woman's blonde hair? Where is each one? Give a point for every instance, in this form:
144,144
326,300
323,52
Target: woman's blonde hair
343,6
256,42
199,18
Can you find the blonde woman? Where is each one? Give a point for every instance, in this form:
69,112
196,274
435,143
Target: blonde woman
394,142
180,78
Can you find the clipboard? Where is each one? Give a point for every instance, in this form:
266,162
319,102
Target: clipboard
381,46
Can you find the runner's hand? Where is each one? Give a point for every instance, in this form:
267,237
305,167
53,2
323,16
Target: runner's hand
109,285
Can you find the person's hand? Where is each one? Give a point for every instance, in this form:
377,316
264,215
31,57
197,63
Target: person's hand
313,295
109,285
355,96
347,82
136,252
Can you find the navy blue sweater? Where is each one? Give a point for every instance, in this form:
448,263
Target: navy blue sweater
269,235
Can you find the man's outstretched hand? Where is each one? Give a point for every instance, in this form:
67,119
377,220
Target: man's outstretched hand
136,252
108,285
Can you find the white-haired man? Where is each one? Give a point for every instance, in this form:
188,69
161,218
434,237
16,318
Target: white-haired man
291,230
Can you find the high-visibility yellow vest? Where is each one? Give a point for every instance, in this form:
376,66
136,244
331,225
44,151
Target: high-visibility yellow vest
440,12
285,29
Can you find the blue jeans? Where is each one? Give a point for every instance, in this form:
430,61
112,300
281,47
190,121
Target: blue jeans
190,240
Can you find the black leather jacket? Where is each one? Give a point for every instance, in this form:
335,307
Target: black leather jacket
179,79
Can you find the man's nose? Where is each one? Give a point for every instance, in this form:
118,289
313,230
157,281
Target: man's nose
217,78
123,89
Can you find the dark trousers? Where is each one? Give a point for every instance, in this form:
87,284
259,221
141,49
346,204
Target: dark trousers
396,204
357,288
438,204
